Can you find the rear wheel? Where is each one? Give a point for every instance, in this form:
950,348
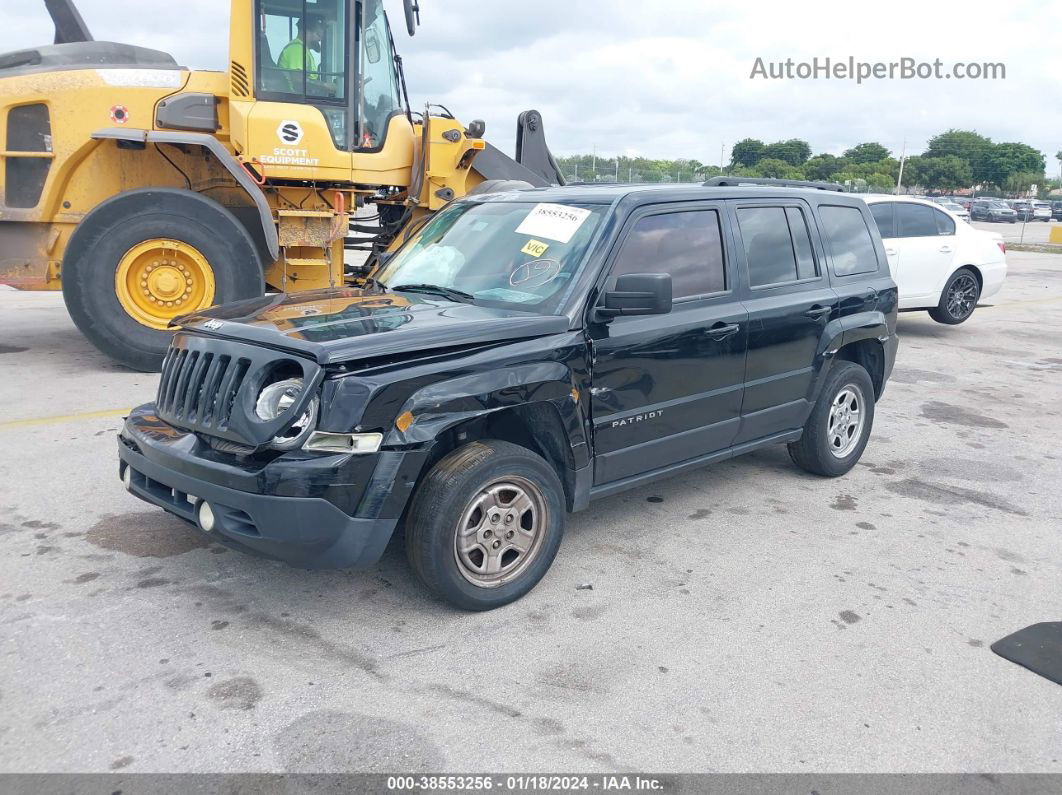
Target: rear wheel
144,257
958,299
839,426
485,524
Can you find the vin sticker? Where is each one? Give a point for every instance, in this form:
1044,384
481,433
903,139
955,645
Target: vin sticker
554,221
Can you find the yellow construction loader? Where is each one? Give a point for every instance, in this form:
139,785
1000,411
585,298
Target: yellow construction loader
145,190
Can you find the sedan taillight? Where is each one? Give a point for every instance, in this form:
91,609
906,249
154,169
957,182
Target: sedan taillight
1002,246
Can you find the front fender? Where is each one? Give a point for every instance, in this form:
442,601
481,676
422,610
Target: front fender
444,404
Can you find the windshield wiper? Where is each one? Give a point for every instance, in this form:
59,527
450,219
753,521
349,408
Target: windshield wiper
459,296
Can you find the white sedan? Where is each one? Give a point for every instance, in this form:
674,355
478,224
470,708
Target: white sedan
939,263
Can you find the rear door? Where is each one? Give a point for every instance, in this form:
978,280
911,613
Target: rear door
667,388
789,301
885,215
861,281
926,241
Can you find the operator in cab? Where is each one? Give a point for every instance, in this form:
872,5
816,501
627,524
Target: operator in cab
299,55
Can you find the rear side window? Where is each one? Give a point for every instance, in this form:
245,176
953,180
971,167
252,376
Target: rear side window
851,246
883,216
777,245
688,245
915,220
945,226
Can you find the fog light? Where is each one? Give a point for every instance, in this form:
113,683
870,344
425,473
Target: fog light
205,515
127,477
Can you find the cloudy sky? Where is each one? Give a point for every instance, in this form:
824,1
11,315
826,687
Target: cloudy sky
671,78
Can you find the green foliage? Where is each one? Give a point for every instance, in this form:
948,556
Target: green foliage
823,167
794,151
746,152
966,145
776,169
946,173
1010,159
870,152
954,159
1022,181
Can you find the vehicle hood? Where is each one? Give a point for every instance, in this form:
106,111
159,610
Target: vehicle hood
338,325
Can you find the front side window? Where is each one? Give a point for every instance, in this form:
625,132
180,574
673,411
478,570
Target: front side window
851,246
518,255
302,52
688,245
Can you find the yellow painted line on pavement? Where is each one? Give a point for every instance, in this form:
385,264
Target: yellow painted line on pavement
85,415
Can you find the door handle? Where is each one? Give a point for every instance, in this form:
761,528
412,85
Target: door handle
722,330
890,252
818,311
946,249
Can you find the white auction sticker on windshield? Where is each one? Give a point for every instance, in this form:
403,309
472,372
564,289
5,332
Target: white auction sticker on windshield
555,221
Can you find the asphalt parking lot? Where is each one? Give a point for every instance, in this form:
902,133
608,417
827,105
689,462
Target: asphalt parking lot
744,617
1031,232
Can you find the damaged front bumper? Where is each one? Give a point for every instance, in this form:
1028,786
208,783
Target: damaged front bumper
308,509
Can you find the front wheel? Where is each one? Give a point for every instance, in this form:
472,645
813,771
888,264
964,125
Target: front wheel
485,524
145,257
838,428
958,299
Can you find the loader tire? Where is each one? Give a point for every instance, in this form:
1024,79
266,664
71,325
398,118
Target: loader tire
145,257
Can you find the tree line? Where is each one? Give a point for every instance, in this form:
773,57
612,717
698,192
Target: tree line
953,160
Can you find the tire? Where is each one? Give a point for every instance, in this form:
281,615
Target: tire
955,309
129,222
446,501
815,450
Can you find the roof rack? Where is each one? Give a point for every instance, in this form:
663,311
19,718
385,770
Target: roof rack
733,182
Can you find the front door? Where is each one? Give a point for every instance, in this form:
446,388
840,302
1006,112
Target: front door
789,301
667,388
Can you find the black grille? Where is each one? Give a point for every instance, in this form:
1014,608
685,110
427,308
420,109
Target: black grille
210,386
199,387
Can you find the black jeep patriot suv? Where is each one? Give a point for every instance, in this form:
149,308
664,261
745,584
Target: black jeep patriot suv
522,354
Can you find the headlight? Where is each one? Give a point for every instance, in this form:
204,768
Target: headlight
277,398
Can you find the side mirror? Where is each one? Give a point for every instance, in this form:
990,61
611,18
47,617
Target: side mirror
412,9
372,48
638,294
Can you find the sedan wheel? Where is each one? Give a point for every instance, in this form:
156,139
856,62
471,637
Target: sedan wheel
959,298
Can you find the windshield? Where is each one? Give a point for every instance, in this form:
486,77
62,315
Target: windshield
518,255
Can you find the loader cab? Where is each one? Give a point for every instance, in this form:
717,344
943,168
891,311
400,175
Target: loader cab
324,87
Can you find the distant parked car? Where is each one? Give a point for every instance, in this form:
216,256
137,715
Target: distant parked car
956,209
1056,210
937,262
1041,211
1023,210
992,210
